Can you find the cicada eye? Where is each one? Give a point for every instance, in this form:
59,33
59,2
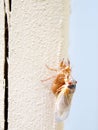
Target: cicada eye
72,86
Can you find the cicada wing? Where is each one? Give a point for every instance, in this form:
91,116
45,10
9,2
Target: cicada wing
62,107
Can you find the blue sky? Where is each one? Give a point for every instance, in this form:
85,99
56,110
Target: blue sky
83,52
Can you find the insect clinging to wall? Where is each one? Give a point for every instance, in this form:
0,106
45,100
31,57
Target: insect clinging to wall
63,88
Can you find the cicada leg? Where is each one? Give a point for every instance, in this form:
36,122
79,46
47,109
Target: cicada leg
52,69
59,90
48,79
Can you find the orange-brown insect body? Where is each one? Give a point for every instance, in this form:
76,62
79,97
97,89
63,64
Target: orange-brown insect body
58,82
63,74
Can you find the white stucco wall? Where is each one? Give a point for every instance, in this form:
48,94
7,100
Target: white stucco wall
1,64
38,36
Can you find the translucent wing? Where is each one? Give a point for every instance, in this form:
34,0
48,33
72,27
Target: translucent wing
62,107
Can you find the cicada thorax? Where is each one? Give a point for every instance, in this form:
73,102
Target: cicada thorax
58,82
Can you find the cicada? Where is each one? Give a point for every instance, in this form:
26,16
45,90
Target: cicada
63,87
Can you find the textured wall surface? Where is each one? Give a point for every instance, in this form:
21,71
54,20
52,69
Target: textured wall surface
38,35
1,64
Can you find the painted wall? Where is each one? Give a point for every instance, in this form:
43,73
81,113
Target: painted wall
1,64
38,35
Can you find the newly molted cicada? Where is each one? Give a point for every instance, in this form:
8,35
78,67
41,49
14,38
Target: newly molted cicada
63,88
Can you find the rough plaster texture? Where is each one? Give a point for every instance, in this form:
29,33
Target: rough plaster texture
38,36
1,64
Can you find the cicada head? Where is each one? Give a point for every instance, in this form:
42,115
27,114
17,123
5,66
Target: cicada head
72,85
